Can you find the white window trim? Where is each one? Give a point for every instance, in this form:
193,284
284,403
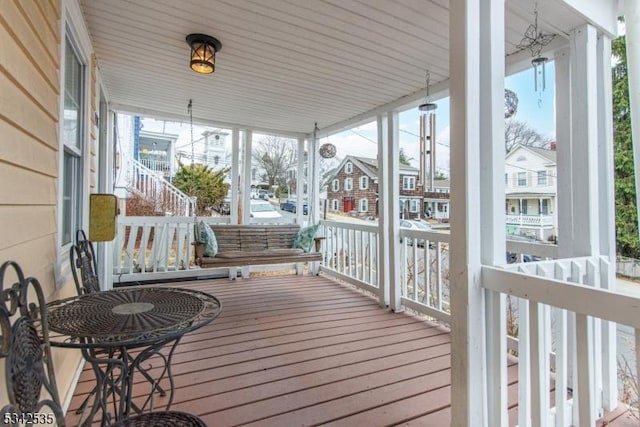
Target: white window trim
364,182
72,23
364,202
406,180
518,179
348,167
335,185
546,178
414,205
348,184
335,205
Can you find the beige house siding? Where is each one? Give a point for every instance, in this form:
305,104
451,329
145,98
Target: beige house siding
29,151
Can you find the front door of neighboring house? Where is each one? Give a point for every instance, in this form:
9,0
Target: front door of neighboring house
523,203
349,204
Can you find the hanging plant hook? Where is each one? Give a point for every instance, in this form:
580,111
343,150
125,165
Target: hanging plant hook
427,106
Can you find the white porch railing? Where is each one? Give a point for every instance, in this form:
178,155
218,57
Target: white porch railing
424,274
530,220
564,339
565,324
153,187
155,247
350,253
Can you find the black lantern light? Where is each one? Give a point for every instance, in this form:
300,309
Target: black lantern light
203,52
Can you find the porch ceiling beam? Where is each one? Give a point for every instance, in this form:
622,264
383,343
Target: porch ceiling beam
163,115
602,14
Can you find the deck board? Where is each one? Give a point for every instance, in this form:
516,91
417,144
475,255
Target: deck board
306,350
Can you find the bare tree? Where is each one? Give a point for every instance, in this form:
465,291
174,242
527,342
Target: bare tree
517,132
275,156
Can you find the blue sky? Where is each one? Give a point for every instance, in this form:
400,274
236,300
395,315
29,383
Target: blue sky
534,108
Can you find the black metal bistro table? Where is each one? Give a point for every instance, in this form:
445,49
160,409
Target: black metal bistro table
107,326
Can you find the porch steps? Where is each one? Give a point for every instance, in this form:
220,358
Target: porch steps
154,188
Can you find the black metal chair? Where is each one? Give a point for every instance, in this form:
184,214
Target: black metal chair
83,258
25,348
84,269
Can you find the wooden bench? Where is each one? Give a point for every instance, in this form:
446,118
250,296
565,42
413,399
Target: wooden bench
244,245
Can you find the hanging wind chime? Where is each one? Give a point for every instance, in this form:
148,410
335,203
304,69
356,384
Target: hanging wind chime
427,138
535,41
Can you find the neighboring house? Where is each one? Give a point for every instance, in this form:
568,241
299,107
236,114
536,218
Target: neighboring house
436,200
530,190
353,187
156,151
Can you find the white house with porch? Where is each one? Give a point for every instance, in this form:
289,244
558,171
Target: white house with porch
530,192
305,70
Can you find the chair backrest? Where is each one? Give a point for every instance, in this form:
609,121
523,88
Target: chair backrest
25,348
83,258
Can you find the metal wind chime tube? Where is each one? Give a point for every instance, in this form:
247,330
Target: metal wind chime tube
427,164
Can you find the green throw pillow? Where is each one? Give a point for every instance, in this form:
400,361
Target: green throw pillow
304,238
205,234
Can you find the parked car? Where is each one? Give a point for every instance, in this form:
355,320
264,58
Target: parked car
262,209
224,206
512,257
290,205
416,225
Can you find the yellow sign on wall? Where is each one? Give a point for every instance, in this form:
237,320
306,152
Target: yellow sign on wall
103,210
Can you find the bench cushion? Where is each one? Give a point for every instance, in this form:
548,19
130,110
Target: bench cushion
259,254
205,234
304,238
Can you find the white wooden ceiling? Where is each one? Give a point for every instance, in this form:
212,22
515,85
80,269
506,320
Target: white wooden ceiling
284,64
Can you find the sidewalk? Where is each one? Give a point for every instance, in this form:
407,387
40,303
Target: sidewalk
629,287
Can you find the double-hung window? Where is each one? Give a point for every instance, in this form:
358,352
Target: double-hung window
72,135
348,184
542,177
408,183
364,182
522,179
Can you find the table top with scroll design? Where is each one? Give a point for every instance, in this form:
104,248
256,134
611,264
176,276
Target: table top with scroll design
131,317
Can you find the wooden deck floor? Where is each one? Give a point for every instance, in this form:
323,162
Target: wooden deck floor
305,350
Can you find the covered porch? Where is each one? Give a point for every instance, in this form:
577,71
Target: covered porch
292,350
312,351
469,66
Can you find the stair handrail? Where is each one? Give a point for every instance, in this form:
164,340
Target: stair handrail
187,203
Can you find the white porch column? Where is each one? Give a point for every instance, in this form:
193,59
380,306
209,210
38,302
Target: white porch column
300,179
632,28
468,395
607,219
564,182
492,226
391,157
235,173
313,146
584,111
564,210
389,211
245,204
